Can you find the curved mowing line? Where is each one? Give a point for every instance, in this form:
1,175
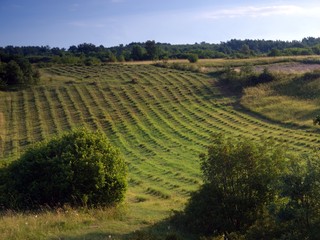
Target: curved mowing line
156,110
39,114
131,153
9,145
102,117
147,126
74,113
140,133
22,123
153,169
202,82
141,119
196,122
45,112
153,123
14,135
258,122
206,102
120,122
153,177
83,107
32,118
205,90
231,116
177,117
174,135
63,116
49,108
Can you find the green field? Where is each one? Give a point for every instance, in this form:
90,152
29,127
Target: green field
161,124
292,99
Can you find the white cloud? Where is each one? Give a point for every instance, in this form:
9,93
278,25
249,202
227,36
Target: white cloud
251,11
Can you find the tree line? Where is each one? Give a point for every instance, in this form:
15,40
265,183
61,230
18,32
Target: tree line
88,53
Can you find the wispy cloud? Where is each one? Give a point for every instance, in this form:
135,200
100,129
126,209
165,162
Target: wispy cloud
252,11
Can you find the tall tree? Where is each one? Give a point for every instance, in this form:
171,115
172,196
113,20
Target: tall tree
152,50
14,74
137,52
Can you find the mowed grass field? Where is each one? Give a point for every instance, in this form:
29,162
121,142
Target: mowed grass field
161,124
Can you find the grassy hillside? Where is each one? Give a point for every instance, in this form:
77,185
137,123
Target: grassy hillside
161,124
293,98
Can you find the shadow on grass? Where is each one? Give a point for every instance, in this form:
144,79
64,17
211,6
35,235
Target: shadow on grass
167,229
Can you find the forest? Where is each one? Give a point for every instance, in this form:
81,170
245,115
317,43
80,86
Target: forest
90,54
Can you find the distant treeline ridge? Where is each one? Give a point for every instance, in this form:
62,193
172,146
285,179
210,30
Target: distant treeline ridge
88,53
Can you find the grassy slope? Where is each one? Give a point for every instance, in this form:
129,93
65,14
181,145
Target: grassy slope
161,124
292,99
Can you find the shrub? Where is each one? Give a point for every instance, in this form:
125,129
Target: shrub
193,58
246,77
240,179
255,190
78,168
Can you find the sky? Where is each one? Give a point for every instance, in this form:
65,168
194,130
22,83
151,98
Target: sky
63,23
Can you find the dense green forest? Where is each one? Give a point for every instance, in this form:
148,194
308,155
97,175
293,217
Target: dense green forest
90,54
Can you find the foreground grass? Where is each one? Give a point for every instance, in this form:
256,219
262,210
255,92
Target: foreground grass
122,222
161,124
59,223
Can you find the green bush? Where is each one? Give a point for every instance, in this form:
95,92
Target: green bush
240,179
193,58
78,168
246,77
255,190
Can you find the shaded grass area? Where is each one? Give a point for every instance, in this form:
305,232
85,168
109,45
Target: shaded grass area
106,223
161,124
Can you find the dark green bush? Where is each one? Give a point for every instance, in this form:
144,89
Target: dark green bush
193,58
255,190
78,168
240,179
245,77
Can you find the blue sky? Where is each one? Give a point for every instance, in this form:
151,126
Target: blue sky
62,23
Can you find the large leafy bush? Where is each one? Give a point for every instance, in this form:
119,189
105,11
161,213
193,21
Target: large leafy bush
255,190
240,180
78,168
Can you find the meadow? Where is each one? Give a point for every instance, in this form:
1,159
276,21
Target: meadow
161,123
